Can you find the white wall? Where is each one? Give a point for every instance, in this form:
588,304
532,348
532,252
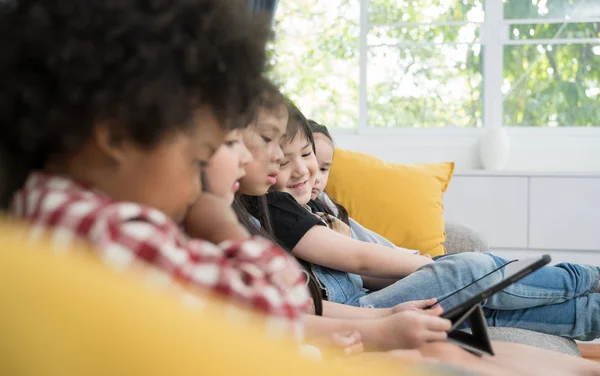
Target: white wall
577,257
532,207
531,149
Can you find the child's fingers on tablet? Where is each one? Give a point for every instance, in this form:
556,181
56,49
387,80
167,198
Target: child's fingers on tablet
436,310
435,336
424,304
438,323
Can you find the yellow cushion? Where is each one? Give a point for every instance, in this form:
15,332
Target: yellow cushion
401,202
67,314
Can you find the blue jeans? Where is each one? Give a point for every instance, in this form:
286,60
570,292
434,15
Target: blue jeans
556,299
341,287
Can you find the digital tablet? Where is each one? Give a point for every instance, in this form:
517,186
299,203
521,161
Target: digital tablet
465,298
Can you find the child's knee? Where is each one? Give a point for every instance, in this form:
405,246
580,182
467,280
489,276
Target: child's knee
475,263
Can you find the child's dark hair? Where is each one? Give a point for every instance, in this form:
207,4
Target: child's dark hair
142,67
247,207
319,128
297,125
244,205
272,100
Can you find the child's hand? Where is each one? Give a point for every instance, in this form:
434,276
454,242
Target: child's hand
410,329
349,342
427,306
212,219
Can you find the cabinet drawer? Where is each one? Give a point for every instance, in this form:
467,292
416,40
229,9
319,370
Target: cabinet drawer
495,206
564,213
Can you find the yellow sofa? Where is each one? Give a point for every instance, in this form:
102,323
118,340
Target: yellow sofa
65,313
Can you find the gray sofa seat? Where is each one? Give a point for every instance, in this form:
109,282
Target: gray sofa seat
542,340
461,238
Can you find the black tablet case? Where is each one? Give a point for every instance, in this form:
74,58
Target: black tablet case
478,341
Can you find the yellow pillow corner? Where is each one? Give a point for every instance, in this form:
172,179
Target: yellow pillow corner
400,202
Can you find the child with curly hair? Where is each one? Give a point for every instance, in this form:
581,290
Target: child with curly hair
109,112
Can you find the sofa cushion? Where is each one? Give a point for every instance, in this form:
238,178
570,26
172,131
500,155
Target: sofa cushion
528,337
462,238
401,202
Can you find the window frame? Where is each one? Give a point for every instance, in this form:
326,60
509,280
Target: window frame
494,37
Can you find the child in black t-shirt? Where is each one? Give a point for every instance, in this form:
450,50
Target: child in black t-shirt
291,211
289,215
567,288
263,138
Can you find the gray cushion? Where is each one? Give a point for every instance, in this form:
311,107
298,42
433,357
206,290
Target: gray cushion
462,238
541,340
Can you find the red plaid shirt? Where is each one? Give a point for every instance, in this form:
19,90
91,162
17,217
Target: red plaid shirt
252,271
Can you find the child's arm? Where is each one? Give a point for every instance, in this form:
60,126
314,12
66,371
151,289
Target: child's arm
212,219
343,311
322,246
404,330
275,285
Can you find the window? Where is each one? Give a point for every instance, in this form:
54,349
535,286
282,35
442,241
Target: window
316,57
551,73
441,63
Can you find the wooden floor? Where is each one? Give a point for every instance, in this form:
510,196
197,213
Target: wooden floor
590,351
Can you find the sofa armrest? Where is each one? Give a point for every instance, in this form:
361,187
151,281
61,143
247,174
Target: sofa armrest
462,238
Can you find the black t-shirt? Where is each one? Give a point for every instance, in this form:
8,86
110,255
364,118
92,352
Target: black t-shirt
289,219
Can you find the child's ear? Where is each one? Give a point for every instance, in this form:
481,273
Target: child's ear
110,141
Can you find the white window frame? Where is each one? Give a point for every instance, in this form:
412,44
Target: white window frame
493,35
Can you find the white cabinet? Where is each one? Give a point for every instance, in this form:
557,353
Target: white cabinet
564,213
529,211
494,205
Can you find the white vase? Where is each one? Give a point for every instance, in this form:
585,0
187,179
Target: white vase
494,149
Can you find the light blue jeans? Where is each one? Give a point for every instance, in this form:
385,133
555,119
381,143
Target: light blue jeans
556,299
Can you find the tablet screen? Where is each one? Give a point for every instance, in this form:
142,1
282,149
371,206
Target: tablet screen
488,281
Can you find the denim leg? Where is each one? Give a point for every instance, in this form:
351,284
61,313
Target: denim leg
449,273
548,285
578,318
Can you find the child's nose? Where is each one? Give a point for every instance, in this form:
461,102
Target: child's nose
300,169
278,154
246,156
